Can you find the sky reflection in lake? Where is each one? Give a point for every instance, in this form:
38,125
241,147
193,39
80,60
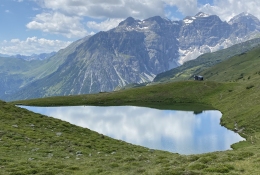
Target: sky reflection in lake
175,131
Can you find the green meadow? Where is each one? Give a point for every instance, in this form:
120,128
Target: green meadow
35,144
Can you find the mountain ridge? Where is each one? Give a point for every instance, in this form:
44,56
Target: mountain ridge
16,73
41,56
135,52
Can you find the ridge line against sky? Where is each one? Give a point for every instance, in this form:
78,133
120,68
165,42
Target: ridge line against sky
42,26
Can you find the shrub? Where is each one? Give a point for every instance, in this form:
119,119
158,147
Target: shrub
205,160
244,155
249,86
114,165
197,166
218,169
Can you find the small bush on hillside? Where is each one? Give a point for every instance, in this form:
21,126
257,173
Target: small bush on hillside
197,166
249,86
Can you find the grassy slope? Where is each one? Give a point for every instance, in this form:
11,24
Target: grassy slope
244,159
241,67
237,98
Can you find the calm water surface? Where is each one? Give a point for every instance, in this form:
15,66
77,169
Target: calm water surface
175,131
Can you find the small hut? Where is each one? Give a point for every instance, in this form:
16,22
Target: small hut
198,77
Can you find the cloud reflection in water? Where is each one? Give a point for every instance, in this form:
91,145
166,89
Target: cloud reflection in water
175,131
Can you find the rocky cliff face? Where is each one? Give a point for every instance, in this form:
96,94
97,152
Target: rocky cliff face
243,24
136,51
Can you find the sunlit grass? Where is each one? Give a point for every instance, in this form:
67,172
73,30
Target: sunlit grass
97,157
30,145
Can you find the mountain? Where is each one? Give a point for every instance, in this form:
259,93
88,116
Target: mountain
16,73
135,52
13,73
205,61
4,55
41,56
244,23
247,19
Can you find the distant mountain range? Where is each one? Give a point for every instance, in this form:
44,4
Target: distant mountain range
135,52
4,55
41,56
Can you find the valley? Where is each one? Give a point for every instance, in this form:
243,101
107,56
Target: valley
236,98
150,63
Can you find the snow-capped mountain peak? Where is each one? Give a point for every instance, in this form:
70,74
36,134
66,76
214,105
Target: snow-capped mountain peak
188,20
137,50
191,19
243,17
201,14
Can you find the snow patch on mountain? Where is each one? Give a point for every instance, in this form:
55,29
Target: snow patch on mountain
187,21
122,83
194,52
188,54
149,77
201,14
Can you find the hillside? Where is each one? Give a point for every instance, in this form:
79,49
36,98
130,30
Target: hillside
237,100
16,73
205,61
13,73
41,56
241,67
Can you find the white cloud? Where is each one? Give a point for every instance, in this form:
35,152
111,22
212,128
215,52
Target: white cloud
7,11
186,7
142,9
107,9
67,17
65,12
14,41
227,9
31,46
105,25
57,23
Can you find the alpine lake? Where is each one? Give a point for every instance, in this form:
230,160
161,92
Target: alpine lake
177,131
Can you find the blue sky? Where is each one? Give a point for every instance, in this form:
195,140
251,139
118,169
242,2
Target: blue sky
40,26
